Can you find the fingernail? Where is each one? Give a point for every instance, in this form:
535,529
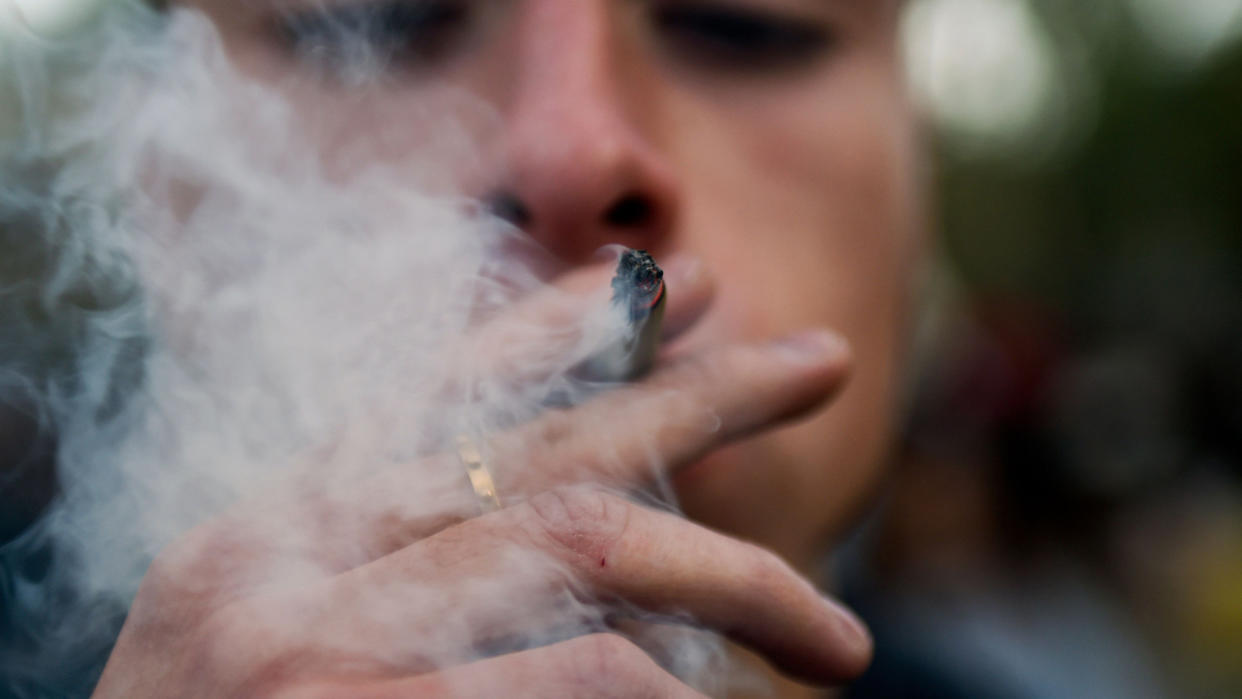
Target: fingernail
811,346
853,630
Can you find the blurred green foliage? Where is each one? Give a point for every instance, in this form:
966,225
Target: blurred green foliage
1143,210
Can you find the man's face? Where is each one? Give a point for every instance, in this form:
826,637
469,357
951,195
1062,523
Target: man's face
768,138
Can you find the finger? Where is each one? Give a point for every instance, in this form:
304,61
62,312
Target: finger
693,289
691,407
525,571
622,438
598,665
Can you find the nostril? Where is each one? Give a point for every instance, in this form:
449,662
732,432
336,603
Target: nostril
508,207
631,210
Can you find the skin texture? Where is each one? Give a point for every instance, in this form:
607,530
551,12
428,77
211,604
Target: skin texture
781,196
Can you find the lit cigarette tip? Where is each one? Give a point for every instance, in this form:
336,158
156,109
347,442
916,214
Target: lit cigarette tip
638,290
638,284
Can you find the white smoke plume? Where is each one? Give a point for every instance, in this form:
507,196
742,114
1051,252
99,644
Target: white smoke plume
203,311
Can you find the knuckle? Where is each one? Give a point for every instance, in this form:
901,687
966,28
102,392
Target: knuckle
178,561
585,521
699,370
171,581
552,428
767,572
606,661
248,643
195,569
695,387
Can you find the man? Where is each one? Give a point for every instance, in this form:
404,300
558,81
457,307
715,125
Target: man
761,149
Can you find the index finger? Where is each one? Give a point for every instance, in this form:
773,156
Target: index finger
632,434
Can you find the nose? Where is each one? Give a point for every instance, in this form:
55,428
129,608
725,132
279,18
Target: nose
579,168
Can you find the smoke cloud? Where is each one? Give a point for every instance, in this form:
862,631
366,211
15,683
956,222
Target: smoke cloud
208,314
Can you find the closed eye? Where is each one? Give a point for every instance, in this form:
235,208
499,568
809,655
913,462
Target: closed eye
730,36
413,33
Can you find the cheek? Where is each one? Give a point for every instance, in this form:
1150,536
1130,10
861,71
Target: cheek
807,214
804,209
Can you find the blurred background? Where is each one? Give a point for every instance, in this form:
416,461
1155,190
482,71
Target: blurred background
1065,517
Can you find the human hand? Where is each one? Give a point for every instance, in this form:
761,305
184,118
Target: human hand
515,602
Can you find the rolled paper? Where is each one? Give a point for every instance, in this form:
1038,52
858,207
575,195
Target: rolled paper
639,293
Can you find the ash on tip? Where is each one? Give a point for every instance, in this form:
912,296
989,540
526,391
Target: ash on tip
638,283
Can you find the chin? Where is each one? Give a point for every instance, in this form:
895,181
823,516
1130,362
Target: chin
794,490
734,489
